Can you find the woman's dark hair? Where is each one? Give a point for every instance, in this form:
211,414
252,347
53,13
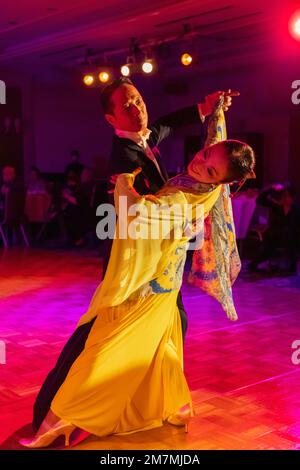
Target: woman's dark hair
241,160
107,92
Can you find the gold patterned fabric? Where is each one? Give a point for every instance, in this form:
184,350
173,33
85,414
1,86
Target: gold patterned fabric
217,264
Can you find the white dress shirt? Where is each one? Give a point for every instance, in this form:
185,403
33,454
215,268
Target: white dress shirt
140,138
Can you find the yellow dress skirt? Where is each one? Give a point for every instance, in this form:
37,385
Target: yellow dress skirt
130,375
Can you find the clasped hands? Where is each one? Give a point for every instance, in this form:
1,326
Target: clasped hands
211,100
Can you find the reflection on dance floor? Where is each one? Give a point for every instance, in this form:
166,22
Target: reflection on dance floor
245,385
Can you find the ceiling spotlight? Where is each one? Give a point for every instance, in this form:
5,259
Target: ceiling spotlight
125,70
188,48
88,69
186,59
104,76
88,79
147,66
128,68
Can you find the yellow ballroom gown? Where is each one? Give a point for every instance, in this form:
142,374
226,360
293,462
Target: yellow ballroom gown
130,376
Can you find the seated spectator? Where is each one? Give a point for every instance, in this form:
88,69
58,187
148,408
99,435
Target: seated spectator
74,206
8,180
283,226
89,187
75,166
12,187
36,183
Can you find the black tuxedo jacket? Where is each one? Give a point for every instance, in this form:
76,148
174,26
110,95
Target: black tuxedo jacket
126,155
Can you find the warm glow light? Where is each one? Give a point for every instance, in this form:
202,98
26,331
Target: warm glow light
147,67
297,27
294,25
88,80
186,59
125,71
104,77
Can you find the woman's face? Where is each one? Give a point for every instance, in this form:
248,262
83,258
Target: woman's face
210,165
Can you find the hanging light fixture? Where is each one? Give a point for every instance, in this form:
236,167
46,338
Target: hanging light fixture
88,79
125,70
104,76
89,74
149,64
189,54
128,68
186,59
105,71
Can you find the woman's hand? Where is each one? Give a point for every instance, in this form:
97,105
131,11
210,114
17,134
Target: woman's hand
130,177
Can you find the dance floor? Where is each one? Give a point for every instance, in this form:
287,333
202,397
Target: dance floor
244,384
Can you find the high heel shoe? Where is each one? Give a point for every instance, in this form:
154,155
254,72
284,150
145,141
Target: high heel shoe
181,418
44,440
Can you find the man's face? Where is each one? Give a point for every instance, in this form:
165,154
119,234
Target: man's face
9,174
129,110
210,165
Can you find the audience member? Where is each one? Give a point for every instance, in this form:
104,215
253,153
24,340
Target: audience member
36,182
11,193
74,208
75,167
283,226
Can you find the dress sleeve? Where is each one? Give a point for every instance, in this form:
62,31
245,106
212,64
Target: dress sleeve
216,130
124,187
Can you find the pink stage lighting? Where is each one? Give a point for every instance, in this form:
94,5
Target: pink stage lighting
294,25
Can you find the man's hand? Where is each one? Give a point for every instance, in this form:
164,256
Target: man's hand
211,100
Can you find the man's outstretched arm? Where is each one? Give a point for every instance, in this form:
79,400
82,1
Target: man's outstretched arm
165,125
